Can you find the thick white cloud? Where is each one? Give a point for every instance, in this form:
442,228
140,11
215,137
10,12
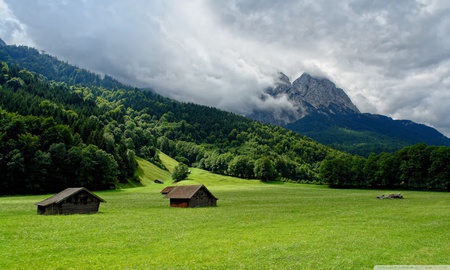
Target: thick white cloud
12,31
391,57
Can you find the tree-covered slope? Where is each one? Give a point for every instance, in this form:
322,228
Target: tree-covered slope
57,133
51,68
366,133
104,125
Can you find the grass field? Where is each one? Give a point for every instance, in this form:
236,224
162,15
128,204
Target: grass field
254,226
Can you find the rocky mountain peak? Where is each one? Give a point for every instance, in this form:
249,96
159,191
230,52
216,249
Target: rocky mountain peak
283,79
281,86
304,96
322,94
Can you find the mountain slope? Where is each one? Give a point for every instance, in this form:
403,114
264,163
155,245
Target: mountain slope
315,107
63,126
56,134
365,133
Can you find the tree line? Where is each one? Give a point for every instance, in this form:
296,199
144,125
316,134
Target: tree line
419,167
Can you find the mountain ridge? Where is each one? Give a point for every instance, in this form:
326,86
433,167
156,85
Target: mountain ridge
303,96
315,107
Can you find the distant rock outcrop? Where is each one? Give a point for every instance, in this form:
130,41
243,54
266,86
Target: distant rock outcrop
322,94
287,102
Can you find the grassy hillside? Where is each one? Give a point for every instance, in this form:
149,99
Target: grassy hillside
256,225
148,172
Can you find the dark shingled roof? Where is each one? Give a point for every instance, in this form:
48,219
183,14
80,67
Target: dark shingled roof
185,192
64,195
167,189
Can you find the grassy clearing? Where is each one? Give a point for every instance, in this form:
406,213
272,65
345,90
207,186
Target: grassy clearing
255,226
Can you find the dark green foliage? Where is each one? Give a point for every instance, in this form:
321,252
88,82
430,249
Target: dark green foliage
39,155
53,69
180,172
414,167
242,166
265,169
66,115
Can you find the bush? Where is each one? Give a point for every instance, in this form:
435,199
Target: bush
180,172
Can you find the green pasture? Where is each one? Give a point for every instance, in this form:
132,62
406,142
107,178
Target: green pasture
255,226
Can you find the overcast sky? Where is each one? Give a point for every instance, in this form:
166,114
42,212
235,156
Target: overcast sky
390,57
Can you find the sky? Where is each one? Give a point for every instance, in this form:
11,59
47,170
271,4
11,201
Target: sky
390,57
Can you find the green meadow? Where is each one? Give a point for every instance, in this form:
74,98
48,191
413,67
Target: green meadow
255,226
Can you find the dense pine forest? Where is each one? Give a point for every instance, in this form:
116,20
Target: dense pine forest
63,126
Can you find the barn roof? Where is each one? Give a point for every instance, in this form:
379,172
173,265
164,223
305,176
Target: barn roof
64,195
167,189
186,192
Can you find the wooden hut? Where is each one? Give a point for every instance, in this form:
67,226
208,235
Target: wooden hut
189,196
158,181
70,201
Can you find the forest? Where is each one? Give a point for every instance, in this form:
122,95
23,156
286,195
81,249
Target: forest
62,126
417,167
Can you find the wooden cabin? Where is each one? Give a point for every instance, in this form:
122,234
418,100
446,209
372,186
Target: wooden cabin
158,181
70,201
189,196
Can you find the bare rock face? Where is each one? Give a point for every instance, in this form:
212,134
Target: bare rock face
287,102
2,43
282,86
322,94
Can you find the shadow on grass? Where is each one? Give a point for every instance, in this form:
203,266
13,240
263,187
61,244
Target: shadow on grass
277,183
280,183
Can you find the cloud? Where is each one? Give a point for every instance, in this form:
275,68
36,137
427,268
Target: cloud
391,57
11,29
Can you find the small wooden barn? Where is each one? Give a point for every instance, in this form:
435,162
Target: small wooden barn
189,196
70,201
